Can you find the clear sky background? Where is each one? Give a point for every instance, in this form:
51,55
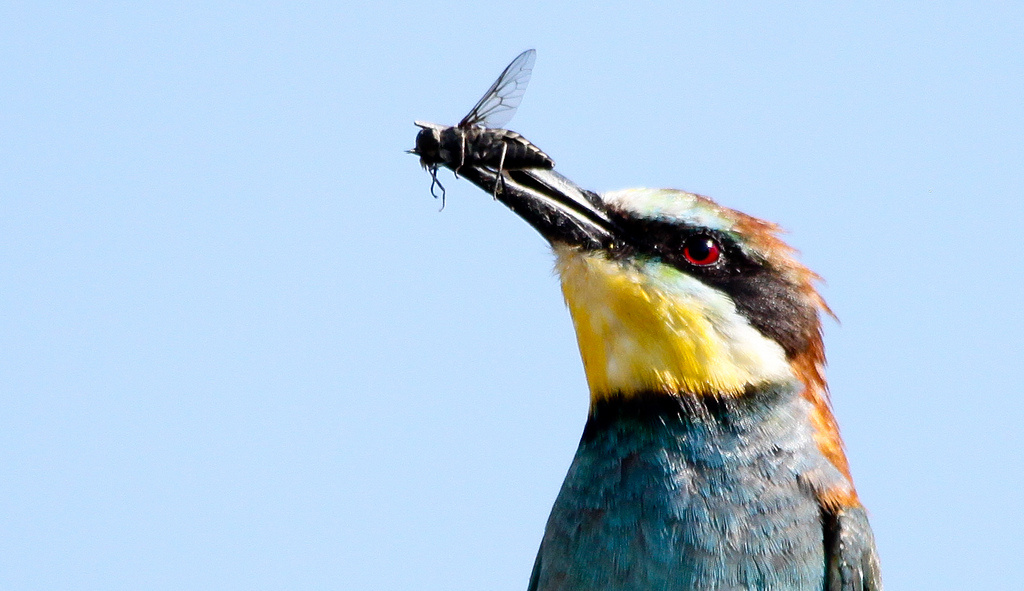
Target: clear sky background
240,348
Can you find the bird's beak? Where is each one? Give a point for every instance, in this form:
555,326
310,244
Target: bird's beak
561,211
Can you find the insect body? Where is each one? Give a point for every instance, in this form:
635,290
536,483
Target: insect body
479,140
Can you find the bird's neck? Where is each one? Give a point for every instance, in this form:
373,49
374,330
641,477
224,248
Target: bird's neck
754,431
780,408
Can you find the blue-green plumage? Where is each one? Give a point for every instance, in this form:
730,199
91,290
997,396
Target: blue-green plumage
694,493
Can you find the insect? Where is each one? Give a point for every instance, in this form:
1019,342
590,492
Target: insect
479,140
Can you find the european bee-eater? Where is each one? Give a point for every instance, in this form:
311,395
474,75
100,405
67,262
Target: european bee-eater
710,459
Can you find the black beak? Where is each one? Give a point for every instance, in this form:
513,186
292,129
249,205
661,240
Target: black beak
560,210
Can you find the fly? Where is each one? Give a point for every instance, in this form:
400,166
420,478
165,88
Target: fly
479,139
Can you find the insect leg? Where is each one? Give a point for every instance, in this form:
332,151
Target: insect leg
462,152
501,170
434,181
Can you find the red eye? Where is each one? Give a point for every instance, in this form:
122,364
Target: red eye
701,251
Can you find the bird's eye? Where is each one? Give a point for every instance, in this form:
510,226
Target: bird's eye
701,251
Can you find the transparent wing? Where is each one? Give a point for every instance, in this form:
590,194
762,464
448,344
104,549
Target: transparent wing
501,100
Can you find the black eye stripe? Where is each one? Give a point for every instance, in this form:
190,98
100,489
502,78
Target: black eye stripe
771,303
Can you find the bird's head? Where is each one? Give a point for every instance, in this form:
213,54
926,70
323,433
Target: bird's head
687,296
671,293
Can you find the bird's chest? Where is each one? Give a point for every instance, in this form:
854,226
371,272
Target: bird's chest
685,507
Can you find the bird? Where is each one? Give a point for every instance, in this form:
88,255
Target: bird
710,458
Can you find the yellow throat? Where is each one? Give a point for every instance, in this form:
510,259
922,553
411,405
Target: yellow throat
644,326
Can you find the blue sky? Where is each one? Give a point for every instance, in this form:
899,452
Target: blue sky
240,348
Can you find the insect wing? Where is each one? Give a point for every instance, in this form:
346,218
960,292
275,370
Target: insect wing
501,100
